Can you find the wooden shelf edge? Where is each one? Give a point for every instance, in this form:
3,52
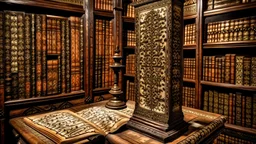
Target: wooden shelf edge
189,47
230,9
232,86
190,17
129,75
240,128
189,80
48,4
101,89
128,19
72,95
130,47
103,13
235,44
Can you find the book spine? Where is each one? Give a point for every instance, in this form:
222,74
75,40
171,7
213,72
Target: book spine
82,52
21,54
254,111
14,55
246,71
58,36
1,48
253,72
238,114
248,111
216,101
227,68
49,77
231,30
68,64
211,101
213,68
252,28
38,55
246,29
44,45
54,37
63,56
225,104
33,58
239,70
58,75
226,30
27,55
223,69
49,36
206,101
232,68
7,48
230,108
240,29
77,55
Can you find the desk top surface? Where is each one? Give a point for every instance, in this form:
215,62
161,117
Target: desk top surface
203,127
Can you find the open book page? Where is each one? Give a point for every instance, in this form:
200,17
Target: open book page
106,119
62,126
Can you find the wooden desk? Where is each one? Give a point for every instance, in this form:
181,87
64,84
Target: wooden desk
204,128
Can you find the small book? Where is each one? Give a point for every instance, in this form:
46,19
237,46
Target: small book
65,126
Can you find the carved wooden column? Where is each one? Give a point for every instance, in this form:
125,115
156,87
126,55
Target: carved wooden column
88,49
158,81
118,101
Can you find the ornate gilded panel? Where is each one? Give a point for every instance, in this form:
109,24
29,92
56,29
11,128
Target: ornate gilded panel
158,60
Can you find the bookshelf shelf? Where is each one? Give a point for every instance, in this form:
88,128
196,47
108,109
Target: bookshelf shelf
46,99
235,44
230,9
240,128
189,47
101,89
128,19
104,13
190,17
129,75
232,86
47,4
130,47
189,80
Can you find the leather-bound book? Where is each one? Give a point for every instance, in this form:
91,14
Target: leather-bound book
231,30
246,29
253,72
239,70
238,114
248,111
232,68
246,71
227,68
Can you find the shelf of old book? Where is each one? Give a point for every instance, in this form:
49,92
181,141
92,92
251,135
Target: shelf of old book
190,17
53,4
189,80
45,99
101,89
231,86
228,9
241,128
232,44
129,75
189,47
104,13
128,19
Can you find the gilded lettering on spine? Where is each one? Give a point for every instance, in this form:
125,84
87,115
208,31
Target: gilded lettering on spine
27,55
82,52
44,81
63,56
68,75
38,55
33,58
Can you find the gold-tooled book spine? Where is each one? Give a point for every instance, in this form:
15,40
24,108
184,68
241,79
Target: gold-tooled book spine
209,4
253,28
222,32
225,104
216,101
209,68
63,56
73,53
59,75
236,29
253,72
27,55
234,109
230,108
215,32
33,58
49,35
231,30
58,36
209,33
227,68
7,48
54,36
248,111
239,70
38,55
14,55
211,101
21,54
68,65
226,31
246,28
206,100
243,111
82,52
216,69
78,55
246,71
238,113
223,69
240,29
55,70
1,48
254,111
213,68
232,68
44,45
49,77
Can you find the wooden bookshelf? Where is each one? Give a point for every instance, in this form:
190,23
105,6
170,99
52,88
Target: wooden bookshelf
189,80
233,44
190,17
234,8
231,86
129,75
130,47
189,47
104,14
241,129
128,19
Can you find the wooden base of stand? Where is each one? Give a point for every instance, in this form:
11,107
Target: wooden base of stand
157,133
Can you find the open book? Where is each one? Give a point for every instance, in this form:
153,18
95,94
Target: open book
65,126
